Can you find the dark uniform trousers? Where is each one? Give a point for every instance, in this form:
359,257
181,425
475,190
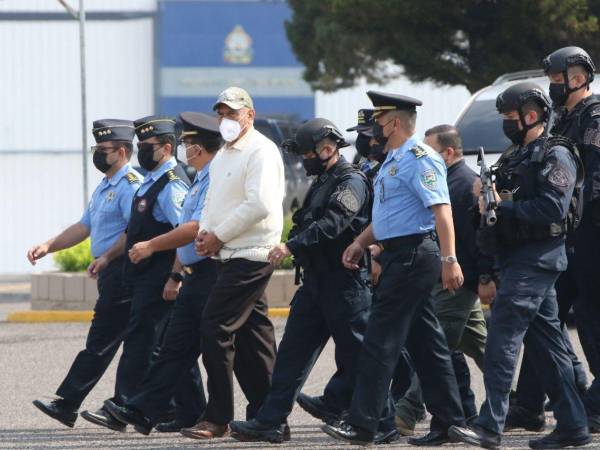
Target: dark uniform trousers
111,315
525,310
328,304
175,369
237,310
587,304
403,315
530,394
149,317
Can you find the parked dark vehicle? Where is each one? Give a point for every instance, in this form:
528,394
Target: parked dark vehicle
296,182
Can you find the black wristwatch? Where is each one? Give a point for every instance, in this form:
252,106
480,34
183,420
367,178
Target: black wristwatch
485,279
176,276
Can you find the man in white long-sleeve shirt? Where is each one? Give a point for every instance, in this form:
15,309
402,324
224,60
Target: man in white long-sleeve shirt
241,220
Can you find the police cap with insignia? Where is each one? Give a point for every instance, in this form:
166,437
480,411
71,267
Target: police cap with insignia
384,102
197,123
201,128
364,121
106,130
311,133
150,126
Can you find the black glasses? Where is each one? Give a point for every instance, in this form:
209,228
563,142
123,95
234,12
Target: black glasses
97,148
147,146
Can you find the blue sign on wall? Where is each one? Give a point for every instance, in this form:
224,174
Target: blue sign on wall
207,46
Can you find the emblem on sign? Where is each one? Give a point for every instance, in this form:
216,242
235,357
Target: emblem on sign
238,46
141,207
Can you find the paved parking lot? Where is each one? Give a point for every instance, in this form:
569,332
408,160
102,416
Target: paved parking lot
35,357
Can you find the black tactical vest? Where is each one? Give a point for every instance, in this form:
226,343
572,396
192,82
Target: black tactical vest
327,255
518,174
143,227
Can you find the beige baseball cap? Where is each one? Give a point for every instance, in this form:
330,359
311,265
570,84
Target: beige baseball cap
235,98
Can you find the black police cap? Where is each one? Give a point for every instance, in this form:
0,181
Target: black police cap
384,102
563,58
150,126
514,97
364,122
311,133
105,130
198,124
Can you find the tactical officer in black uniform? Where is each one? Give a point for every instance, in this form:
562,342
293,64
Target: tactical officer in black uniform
571,70
332,301
155,210
536,183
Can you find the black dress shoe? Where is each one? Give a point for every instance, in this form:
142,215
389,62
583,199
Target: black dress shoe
104,419
173,426
519,417
130,416
561,439
346,432
431,439
475,435
317,408
58,409
254,430
386,437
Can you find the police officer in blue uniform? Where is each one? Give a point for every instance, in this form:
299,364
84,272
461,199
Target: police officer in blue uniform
104,220
176,367
411,201
536,183
571,70
155,210
332,300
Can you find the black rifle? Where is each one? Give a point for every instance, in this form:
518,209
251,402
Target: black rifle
487,189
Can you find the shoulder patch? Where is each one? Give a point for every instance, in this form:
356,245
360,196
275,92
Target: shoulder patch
418,151
559,177
429,179
348,200
592,137
132,178
172,175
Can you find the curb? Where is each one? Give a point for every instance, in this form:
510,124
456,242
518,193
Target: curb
86,316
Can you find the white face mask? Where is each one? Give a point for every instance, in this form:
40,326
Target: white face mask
230,129
182,152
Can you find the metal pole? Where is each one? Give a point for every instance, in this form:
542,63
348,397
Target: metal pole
84,137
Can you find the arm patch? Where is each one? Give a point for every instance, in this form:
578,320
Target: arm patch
347,198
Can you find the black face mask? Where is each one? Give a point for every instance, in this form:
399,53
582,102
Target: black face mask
315,166
378,153
378,133
362,145
146,157
99,160
559,93
512,131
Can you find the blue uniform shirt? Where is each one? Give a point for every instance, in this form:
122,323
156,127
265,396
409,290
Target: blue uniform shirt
407,185
169,201
192,208
108,211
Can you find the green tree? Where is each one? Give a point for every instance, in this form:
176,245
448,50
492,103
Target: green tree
458,42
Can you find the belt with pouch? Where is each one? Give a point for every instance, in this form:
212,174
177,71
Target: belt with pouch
410,240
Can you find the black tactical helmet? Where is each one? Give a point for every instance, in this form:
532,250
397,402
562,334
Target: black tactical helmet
563,58
311,133
513,98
